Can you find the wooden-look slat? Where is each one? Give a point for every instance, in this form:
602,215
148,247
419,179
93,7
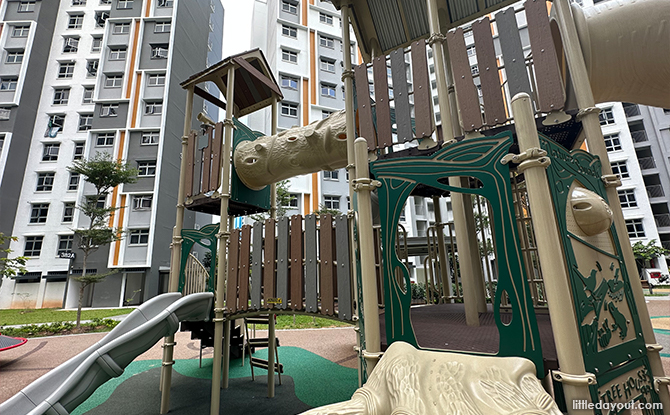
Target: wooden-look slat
494,107
297,277
283,248
403,114
326,250
243,268
344,278
257,265
466,92
190,164
217,145
512,51
550,91
233,261
380,75
366,125
269,265
378,269
311,265
207,161
423,100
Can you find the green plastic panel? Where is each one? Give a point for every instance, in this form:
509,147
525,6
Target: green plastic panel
205,237
245,200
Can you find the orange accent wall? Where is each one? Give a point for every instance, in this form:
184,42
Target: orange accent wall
311,1
305,101
132,58
117,246
315,191
304,13
312,63
306,204
122,142
112,215
136,99
147,8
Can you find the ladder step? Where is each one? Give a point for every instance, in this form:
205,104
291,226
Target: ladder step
263,364
257,320
258,342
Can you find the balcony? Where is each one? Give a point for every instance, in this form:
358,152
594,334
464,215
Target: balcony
655,190
647,163
639,136
665,244
662,220
631,110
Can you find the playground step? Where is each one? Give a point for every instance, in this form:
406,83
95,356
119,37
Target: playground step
260,342
257,320
263,364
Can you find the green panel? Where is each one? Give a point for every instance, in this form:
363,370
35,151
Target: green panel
479,158
252,201
205,237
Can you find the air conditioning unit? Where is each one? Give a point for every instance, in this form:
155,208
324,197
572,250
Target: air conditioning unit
5,113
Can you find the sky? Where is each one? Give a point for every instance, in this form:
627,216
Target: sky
236,26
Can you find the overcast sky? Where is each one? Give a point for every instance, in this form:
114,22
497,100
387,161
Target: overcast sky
236,26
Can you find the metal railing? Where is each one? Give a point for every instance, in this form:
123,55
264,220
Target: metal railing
655,190
639,136
662,219
631,110
647,163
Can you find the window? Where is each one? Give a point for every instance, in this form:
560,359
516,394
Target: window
104,2
8,84
75,22
79,2
165,3
471,50
612,142
289,82
65,70
101,18
289,56
327,42
142,202
474,70
39,212
92,68
50,152
289,109
331,175
606,116
5,113
117,54
20,31
45,182
26,6
627,198
109,110
61,96
289,7
96,44
153,108
73,183
55,125
162,27
65,243
78,151
124,4
146,168
85,122
150,137
121,28
327,65
325,114
14,57
157,79
325,18
113,81
159,51
139,237
328,90
70,44
98,203
293,200
68,212
105,139
620,168
33,246
289,31
331,202
88,95
635,228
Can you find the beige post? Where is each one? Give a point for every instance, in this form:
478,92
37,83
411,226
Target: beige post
442,254
559,298
223,237
271,319
175,257
596,145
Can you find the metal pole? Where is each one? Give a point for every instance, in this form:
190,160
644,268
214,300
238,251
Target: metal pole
271,317
175,257
442,252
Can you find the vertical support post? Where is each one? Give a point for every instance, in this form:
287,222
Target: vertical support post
559,298
596,145
442,252
175,254
223,236
271,317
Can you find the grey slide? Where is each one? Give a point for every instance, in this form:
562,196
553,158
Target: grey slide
60,391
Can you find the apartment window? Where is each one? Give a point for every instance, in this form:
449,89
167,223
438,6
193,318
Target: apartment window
92,68
328,90
293,200
117,54
165,3
289,82
65,243
474,70
289,7
124,4
289,56
85,122
325,18
139,237
146,168
153,108
26,6
76,21
325,114
68,212
8,84
39,212
627,198
289,31
105,139
289,109
327,42
150,137
98,203
331,175
88,95
620,168
162,27
121,28
113,81
20,31
606,116
14,57
142,202
157,79
61,96
109,110
471,50
96,44
70,44
105,2
79,2
78,151
101,18
612,142
73,183
159,51
5,113
331,202
50,152
65,70
635,228
33,246
327,65
45,182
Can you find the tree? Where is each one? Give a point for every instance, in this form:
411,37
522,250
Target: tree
283,199
644,254
104,173
323,210
9,267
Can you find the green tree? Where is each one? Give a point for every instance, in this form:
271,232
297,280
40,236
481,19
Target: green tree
9,267
104,173
283,201
644,254
323,210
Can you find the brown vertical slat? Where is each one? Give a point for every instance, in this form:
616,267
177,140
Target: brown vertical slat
494,108
423,101
206,161
326,250
243,267
367,127
217,145
269,276
233,261
384,131
190,164
550,92
466,92
297,281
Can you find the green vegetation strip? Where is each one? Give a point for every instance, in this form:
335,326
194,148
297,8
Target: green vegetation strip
51,315
303,322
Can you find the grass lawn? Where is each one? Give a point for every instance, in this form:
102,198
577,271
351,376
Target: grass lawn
51,315
303,322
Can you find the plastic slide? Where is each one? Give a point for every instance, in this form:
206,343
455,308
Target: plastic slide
60,391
